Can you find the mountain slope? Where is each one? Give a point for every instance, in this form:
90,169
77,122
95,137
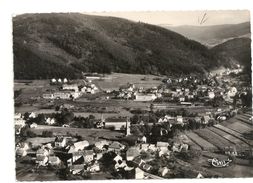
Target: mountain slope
213,35
235,51
59,45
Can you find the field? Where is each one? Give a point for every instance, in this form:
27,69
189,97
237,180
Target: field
229,133
92,135
36,141
26,171
116,80
205,145
213,138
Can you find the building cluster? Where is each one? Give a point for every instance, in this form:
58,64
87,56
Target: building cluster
71,91
80,157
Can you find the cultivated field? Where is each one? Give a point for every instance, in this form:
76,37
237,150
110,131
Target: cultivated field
92,135
228,133
116,80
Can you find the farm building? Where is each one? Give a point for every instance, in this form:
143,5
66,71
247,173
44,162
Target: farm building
48,96
78,146
70,87
116,123
145,97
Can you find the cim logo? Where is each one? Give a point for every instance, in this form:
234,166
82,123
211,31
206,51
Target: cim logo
220,163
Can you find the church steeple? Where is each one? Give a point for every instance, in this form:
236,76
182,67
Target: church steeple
128,127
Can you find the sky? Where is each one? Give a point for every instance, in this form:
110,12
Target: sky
176,18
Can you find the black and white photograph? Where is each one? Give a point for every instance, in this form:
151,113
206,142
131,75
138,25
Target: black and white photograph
108,95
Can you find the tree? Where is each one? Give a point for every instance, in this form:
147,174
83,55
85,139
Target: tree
134,119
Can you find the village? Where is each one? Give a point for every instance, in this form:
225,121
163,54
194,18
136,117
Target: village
146,128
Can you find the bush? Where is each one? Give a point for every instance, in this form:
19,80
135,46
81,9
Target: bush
47,134
30,134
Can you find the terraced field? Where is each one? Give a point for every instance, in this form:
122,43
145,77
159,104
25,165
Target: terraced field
227,133
214,138
205,145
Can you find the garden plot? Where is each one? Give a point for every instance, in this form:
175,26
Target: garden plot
237,126
205,145
244,120
229,135
213,138
228,130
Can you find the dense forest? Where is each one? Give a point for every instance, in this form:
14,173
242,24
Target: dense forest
57,45
65,45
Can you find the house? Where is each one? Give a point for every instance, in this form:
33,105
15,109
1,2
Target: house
50,121
42,160
231,151
147,167
100,144
211,94
145,97
76,169
42,156
76,158
98,156
181,98
48,96
33,125
205,119
144,147
23,145
32,115
131,153
94,168
53,80
179,119
139,174
162,148
60,141
117,158
232,92
152,147
65,80
21,152
88,156
78,146
73,87
200,176
142,139
62,95
163,171
59,80
176,147
18,120
162,145
54,160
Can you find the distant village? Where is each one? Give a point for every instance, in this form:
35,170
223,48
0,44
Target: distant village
151,144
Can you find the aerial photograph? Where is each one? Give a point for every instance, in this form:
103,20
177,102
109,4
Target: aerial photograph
132,95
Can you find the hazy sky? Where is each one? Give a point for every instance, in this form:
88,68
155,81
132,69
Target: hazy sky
184,17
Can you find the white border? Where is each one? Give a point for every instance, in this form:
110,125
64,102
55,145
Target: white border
8,8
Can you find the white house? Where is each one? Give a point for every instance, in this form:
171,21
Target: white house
70,87
54,160
78,146
53,80
65,80
145,97
33,125
211,94
139,174
50,121
60,141
232,92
